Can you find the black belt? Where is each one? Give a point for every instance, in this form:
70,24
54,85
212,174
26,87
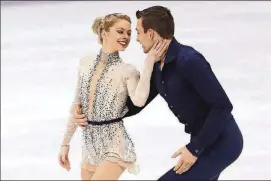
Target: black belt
105,122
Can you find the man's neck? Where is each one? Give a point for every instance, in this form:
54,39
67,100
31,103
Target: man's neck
163,58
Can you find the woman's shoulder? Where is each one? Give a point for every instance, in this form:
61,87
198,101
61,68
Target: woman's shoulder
129,69
87,60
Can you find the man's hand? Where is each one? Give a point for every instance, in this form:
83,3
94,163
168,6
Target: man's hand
79,118
185,162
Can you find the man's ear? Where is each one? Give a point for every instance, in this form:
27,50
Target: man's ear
157,36
151,33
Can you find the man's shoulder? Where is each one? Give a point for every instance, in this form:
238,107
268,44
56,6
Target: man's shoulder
187,55
187,52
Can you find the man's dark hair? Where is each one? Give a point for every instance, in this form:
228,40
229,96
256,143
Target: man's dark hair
158,18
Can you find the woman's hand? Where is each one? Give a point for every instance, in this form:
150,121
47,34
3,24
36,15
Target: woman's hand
158,51
63,157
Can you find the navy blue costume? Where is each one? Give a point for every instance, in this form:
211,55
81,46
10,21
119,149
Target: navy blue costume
195,96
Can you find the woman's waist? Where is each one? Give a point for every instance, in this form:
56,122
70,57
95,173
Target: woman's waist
101,115
104,122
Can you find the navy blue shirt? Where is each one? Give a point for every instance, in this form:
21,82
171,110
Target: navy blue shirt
193,93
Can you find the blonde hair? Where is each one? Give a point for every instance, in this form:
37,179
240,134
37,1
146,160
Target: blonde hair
104,23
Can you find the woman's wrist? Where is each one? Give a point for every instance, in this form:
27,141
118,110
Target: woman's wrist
65,145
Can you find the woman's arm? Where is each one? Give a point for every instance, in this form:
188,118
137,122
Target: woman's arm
139,85
71,125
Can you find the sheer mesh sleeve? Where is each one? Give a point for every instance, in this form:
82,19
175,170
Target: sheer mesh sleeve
138,85
71,126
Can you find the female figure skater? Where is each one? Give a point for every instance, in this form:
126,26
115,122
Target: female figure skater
104,84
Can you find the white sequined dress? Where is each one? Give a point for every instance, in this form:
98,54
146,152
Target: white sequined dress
104,83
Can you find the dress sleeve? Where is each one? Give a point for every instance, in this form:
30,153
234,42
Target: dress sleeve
138,85
71,126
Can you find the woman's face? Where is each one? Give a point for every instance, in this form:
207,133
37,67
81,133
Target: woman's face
119,35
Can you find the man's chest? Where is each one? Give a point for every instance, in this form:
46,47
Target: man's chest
171,83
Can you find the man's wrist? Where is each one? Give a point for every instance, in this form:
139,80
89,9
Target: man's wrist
195,148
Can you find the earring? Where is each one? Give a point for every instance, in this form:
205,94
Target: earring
105,40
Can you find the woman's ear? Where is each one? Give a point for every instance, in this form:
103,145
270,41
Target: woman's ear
104,35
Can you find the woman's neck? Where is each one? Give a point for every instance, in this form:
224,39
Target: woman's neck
108,50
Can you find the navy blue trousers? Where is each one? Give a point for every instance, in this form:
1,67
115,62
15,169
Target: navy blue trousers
226,149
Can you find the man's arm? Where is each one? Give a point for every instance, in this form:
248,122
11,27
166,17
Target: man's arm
133,110
198,71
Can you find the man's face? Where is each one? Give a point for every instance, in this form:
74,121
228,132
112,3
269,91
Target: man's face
145,39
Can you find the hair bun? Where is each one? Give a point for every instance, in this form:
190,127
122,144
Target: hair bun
97,24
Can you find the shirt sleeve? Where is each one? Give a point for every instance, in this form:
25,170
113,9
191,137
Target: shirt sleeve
199,73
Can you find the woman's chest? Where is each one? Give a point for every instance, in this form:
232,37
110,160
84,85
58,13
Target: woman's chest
103,78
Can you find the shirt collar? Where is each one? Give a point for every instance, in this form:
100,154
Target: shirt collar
172,51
